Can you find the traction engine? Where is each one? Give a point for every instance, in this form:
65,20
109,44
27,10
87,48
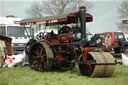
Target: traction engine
68,47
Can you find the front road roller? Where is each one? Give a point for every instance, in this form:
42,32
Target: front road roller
98,64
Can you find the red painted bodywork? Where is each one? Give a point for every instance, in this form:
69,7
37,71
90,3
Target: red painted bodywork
60,57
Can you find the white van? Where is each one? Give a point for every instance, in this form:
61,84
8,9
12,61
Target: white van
10,27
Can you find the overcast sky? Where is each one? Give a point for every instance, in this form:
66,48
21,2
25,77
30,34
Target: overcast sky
104,13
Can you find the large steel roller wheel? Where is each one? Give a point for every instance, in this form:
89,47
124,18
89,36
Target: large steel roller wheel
95,70
41,56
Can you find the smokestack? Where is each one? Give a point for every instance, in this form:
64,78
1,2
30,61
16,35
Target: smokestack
83,23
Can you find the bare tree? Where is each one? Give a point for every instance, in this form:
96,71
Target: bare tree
35,10
123,9
123,14
56,7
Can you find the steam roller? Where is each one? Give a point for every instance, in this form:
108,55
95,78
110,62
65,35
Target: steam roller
62,50
103,66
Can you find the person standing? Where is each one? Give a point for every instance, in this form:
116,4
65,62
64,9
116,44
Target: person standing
108,40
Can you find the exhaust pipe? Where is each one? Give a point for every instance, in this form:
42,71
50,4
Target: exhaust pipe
83,23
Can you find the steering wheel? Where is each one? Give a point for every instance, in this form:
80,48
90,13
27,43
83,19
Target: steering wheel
40,36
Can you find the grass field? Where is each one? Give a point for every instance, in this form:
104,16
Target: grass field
27,76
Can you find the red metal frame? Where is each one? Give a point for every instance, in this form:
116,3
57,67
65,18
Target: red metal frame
88,49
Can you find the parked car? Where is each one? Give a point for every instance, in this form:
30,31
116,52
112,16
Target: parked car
119,43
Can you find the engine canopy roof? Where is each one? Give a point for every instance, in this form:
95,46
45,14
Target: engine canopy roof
56,20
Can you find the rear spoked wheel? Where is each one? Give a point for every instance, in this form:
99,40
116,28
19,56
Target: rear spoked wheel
41,57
